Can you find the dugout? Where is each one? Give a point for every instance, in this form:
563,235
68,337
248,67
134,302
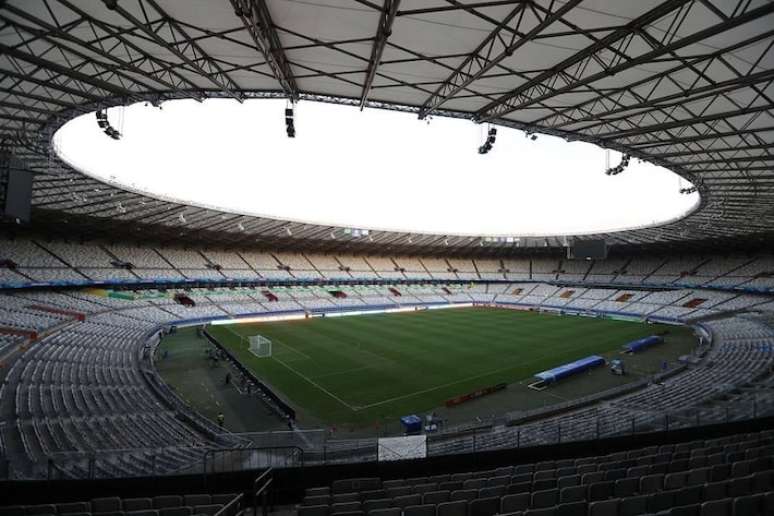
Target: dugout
545,378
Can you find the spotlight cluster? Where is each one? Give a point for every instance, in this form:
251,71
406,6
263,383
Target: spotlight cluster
289,127
102,122
356,233
688,191
490,139
530,135
614,171
501,240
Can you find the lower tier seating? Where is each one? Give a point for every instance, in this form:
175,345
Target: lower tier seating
730,476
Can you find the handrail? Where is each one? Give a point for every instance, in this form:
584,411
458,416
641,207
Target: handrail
262,492
225,510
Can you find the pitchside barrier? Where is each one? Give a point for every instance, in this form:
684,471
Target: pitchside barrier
260,451
286,409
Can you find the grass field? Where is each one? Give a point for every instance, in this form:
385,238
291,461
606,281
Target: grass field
357,370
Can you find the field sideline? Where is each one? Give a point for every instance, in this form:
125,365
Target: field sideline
361,369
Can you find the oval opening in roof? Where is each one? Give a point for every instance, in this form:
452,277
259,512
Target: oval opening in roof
371,169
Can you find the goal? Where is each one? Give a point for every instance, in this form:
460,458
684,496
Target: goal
260,346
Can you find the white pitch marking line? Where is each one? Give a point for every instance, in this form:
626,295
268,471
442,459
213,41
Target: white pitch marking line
431,389
345,371
447,384
326,391
292,349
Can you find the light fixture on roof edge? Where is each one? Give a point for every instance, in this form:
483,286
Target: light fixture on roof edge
290,127
491,136
104,124
614,171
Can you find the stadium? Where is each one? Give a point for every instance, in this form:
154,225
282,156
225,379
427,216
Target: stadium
386,258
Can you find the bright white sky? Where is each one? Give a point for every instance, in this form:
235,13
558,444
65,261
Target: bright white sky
373,169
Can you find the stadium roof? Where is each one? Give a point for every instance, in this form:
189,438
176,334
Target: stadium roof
686,84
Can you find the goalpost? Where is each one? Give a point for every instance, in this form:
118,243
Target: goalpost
260,346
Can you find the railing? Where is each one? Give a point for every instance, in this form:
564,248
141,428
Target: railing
744,405
261,487
233,507
221,460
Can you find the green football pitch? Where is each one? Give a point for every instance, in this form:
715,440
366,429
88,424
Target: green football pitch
360,369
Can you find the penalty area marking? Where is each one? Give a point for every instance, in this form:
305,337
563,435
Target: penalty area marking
317,385
291,348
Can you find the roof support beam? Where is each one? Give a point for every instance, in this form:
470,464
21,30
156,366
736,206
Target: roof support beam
383,32
66,71
257,20
542,88
668,101
48,32
494,49
718,161
586,109
699,138
39,98
158,67
710,150
213,73
617,135
457,7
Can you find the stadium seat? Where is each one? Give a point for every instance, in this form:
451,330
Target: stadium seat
308,500
515,502
406,500
394,511
194,499
35,510
167,501
633,506
547,498
140,504
571,509
717,507
435,497
484,506
176,511
458,508
314,510
604,508
600,491
209,509
102,505
573,494
419,510
371,505
345,507
464,495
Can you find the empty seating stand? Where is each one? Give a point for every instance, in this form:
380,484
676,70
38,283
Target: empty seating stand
165,505
722,477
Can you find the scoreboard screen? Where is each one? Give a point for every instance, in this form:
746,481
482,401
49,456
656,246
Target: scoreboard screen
587,250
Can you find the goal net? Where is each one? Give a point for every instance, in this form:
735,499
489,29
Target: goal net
260,346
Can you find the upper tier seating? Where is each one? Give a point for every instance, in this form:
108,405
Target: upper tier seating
23,261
